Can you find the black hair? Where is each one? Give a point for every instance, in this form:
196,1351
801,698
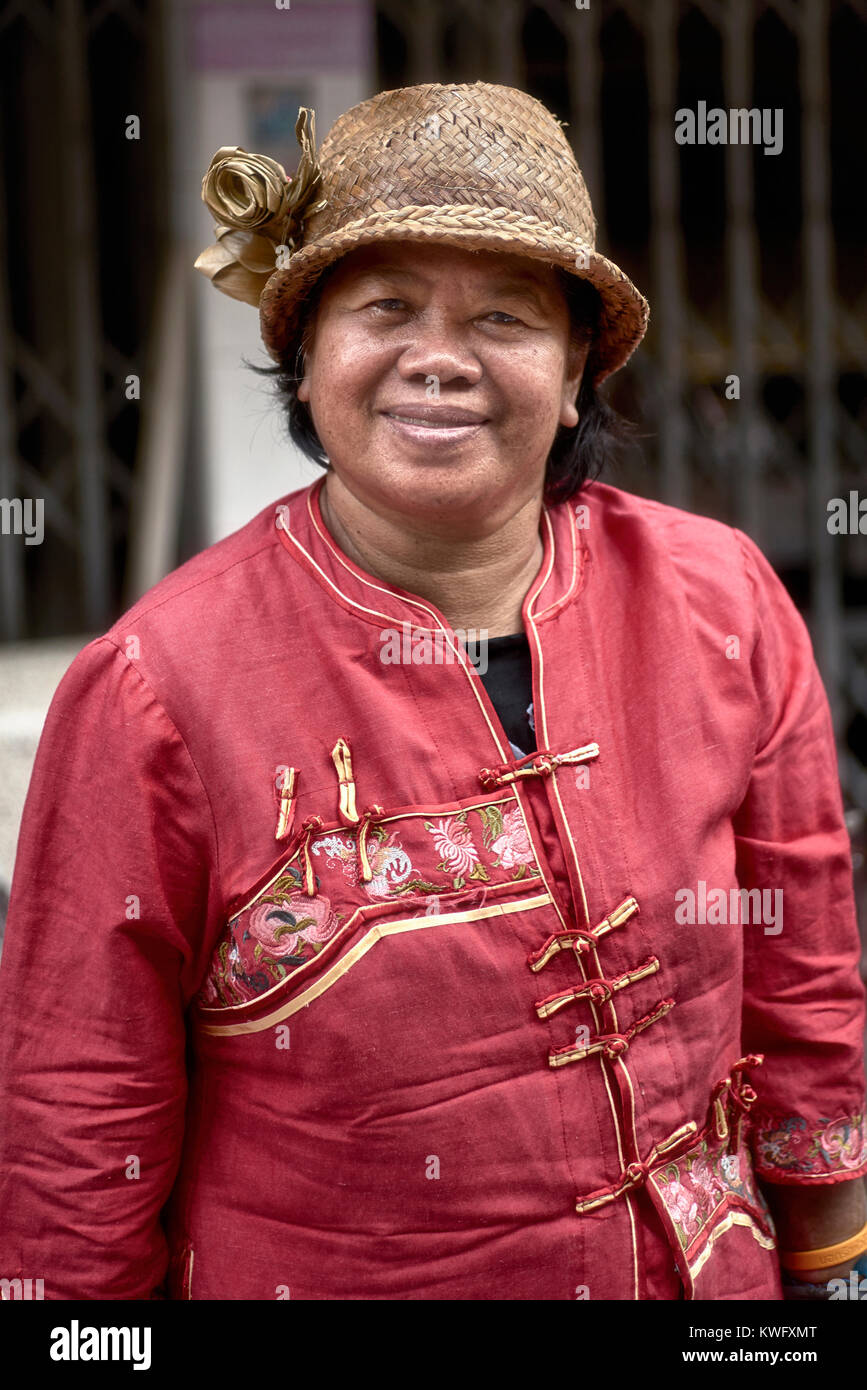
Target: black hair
577,454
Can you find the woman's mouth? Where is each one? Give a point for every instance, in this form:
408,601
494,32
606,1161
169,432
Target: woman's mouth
442,426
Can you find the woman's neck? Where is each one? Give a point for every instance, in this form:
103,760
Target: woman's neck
477,584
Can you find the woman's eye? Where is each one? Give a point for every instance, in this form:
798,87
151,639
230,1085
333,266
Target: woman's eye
503,317
388,304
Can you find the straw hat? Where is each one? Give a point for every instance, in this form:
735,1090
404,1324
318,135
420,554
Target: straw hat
477,166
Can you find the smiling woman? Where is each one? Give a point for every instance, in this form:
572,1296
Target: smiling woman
578,452
371,972
504,383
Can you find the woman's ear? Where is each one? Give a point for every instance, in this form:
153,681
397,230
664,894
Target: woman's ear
303,356
301,372
575,364
568,414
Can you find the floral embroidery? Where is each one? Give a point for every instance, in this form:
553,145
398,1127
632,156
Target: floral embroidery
695,1187
512,846
454,844
281,930
505,835
682,1207
280,927
787,1144
503,838
844,1141
389,861
337,850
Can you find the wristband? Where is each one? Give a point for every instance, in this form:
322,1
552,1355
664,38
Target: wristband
828,1256
795,1291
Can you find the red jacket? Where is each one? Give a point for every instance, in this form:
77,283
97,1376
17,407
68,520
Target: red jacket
453,1034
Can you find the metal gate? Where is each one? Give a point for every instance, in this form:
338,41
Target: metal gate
753,263
754,266
83,237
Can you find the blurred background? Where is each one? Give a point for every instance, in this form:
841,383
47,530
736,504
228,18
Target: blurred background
125,401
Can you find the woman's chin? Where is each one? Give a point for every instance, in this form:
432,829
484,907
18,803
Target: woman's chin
449,492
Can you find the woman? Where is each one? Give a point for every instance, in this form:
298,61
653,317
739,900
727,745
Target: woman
391,979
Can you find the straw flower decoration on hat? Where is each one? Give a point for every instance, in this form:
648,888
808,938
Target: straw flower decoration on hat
259,212
474,165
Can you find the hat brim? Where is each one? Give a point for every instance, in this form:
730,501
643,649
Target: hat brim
624,314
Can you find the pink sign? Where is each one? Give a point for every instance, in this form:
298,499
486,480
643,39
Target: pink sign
325,36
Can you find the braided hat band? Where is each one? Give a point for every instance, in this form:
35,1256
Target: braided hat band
475,165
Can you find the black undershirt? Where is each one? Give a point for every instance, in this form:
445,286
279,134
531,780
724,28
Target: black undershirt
509,683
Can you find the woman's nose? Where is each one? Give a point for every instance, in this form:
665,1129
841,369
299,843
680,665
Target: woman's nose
440,350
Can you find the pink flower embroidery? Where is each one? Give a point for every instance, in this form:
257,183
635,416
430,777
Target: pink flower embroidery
314,921
389,862
681,1207
513,847
209,990
454,844
707,1185
844,1141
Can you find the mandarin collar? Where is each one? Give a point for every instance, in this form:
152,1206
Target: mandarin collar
303,533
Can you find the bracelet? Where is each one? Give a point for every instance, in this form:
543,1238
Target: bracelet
795,1291
829,1254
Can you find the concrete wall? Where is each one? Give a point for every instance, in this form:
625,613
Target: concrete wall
229,60
29,675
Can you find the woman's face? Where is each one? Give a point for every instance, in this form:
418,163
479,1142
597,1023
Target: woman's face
437,379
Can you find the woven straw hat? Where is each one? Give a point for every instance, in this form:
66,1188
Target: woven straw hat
477,166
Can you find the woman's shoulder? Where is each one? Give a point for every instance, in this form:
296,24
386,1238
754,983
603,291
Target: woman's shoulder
214,582
615,506
184,633
645,531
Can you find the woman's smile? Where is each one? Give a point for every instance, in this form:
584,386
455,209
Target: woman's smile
437,378
440,427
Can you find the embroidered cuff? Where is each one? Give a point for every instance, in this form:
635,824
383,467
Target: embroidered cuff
792,1149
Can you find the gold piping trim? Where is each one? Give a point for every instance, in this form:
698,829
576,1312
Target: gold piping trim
568,829
573,536
358,914
417,604
518,792
331,545
370,583
360,576
551,547
542,714
635,1283
188,1275
376,933
734,1218
362,608
553,778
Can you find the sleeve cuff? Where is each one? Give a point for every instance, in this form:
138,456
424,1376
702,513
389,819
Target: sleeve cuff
794,1149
